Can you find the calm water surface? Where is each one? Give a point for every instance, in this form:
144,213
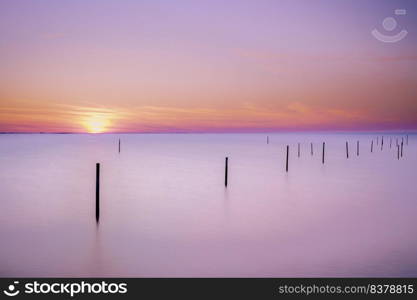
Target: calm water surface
165,210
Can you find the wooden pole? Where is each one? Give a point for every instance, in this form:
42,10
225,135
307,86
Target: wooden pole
357,148
347,150
119,145
311,148
97,192
226,171
390,142
322,158
382,143
286,163
402,149
398,151
372,146
298,149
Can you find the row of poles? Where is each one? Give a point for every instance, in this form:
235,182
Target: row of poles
399,148
226,168
311,152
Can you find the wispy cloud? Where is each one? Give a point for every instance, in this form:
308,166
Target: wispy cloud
248,116
52,35
395,58
263,56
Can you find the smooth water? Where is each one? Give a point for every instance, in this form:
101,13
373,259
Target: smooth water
166,212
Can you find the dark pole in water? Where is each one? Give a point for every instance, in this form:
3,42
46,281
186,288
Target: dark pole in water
226,171
372,146
398,151
97,192
311,150
390,142
119,145
322,159
357,148
382,143
298,149
347,150
286,164
402,149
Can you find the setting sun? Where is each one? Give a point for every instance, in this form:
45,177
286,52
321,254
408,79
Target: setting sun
96,124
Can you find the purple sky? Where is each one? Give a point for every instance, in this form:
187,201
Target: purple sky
166,66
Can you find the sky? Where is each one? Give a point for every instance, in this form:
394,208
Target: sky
206,66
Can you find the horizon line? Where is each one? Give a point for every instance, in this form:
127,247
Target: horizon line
216,132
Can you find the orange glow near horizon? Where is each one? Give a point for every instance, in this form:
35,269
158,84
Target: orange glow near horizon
248,117
208,67
96,124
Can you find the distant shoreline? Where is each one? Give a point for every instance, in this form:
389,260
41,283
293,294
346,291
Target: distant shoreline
407,131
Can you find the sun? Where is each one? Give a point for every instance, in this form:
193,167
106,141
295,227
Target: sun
96,124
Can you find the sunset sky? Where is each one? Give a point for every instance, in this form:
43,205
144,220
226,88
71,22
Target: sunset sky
205,66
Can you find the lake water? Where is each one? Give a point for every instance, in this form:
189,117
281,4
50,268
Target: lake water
166,212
